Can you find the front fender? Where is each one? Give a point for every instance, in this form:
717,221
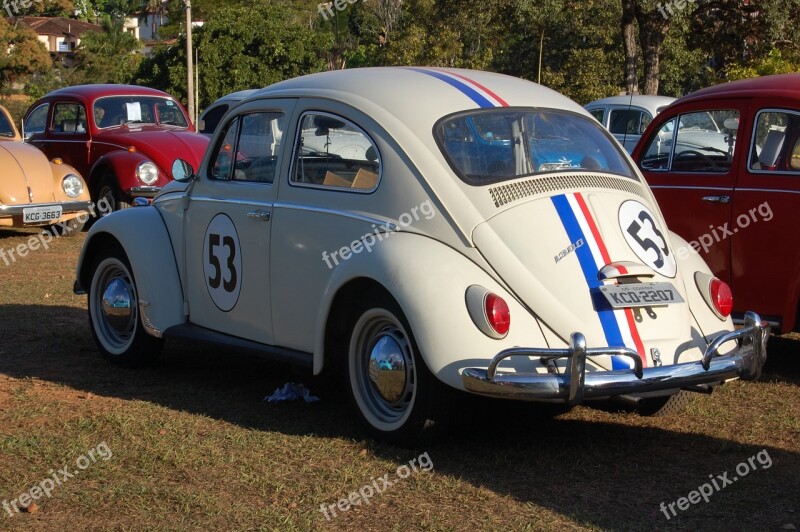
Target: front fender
429,281
123,165
143,236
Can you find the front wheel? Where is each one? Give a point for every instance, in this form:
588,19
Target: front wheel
109,197
114,312
390,385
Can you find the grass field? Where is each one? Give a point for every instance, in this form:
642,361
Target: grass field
192,444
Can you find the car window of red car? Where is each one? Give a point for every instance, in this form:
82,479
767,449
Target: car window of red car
776,146
37,120
330,151
69,118
704,143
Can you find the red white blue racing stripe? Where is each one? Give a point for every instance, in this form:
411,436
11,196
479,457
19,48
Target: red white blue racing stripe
478,93
619,326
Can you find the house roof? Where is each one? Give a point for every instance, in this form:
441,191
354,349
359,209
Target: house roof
58,26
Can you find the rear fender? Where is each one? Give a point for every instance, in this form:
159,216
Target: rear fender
429,281
141,233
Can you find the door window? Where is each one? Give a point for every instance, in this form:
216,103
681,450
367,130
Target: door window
599,114
776,146
628,122
659,152
69,118
37,121
250,149
333,152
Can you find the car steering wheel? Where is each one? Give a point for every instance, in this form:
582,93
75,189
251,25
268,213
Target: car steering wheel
703,156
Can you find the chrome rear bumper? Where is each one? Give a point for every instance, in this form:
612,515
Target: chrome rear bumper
575,385
67,207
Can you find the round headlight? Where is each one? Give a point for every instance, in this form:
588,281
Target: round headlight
147,173
72,185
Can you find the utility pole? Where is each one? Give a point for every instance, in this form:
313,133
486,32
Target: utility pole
189,57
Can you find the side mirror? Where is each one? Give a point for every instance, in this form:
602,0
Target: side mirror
182,171
731,123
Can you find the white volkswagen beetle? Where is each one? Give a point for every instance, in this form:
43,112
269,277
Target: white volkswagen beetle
426,230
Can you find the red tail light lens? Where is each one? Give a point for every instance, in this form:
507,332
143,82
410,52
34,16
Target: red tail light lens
497,313
722,297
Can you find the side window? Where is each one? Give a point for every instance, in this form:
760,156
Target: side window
332,152
658,153
37,120
625,121
69,118
598,114
250,149
211,119
776,146
705,141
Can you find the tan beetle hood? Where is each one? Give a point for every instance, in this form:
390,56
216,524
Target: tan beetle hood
15,182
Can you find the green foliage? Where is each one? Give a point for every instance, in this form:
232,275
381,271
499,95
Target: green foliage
239,48
773,63
110,56
21,55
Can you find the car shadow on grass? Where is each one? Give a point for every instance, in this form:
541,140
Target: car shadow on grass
604,470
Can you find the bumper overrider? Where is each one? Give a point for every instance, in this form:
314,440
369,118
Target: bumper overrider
576,384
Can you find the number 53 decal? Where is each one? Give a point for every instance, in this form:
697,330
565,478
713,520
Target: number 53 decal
645,237
222,262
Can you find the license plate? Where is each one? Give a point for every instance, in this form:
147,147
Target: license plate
41,215
641,295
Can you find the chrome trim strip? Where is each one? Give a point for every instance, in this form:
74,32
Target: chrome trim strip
729,189
767,190
572,387
67,207
380,223
209,199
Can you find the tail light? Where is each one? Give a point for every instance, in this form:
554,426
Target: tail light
488,311
721,297
716,293
497,313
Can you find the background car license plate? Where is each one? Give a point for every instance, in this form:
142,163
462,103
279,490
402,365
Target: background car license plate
40,215
641,295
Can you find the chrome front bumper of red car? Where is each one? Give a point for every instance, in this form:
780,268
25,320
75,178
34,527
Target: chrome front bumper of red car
576,384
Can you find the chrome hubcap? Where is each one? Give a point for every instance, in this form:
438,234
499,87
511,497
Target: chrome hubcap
117,306
387,369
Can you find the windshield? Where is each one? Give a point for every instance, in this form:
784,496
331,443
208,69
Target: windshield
490,146
122,110
6,129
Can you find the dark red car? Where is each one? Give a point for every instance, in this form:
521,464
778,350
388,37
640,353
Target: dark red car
724,164
122,138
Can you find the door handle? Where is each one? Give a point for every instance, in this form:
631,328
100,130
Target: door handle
717,199
259,215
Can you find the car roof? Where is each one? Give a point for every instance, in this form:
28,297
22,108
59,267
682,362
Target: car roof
419,96
639,100
91,92
785,85
235,96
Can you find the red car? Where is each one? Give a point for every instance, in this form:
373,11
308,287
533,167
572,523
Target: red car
122,138
724,164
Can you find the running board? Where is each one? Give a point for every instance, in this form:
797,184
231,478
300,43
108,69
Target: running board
196,333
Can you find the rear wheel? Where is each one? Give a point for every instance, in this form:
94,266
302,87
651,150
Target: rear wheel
390,385
664,406
114,312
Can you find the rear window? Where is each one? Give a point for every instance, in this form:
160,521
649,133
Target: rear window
6,129
490,146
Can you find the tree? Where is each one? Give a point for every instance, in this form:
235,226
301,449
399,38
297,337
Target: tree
239,48
109,56
22,54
